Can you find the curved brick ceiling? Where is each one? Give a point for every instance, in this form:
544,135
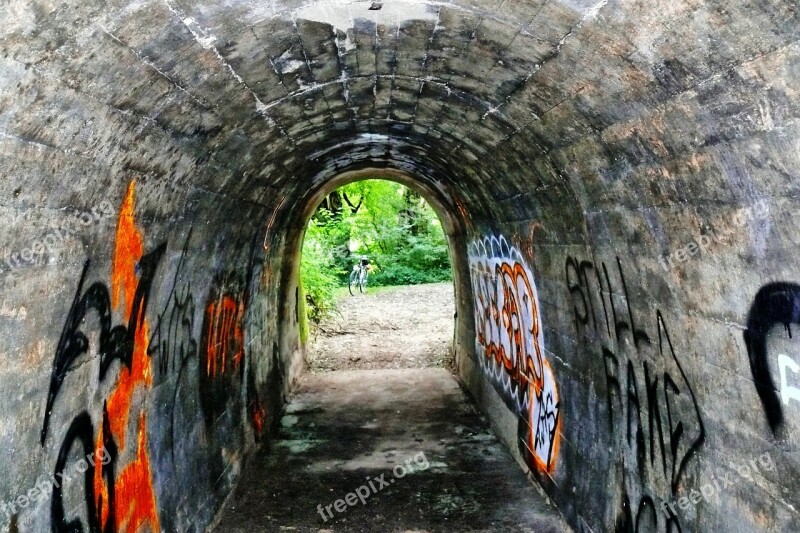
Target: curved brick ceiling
498,100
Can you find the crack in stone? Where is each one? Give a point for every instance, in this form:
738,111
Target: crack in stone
163,74
206,41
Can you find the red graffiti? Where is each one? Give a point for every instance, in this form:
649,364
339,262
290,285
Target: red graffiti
224,337
135,497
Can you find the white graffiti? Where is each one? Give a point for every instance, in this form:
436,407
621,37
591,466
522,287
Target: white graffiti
788,392
510,342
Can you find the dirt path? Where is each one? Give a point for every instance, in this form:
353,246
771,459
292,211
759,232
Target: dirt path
396,327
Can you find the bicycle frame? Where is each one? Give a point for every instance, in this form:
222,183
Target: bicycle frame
358,276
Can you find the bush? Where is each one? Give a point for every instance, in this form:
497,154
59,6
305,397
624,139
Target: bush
418,261
317,275
404,275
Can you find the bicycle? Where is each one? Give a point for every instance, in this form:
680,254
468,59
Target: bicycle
358,277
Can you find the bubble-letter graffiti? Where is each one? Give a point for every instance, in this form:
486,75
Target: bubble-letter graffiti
510,346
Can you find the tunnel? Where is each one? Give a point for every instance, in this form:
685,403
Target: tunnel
617,180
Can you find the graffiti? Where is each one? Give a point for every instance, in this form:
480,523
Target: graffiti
115,343
788,392
255,409
510,345
134,503
647,388
774,304
643,516
127,501
223,341
106,325
80,430
221,348
172,343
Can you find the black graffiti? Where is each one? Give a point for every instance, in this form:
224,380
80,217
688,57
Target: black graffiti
677,447
547,415
658,406
172,342
577,288
82,431
775,303
115,343
545,418
676,430
646,518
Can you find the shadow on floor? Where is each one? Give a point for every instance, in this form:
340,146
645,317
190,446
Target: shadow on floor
408,440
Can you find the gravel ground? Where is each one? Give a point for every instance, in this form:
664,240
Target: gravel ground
393,327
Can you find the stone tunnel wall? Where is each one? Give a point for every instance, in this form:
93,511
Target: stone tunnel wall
140,315
621,180
133,330
637,330
142,357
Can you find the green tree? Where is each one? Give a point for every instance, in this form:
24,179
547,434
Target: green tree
389,223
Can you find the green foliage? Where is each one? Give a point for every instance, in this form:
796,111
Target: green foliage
392,225
317,272
416,260
303,313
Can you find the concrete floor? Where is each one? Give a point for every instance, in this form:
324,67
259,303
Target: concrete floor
341,428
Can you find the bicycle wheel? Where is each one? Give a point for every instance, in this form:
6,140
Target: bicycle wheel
353,281
362,282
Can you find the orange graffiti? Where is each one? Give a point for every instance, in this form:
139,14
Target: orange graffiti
128,250
462,211
258,416
224,339
135,503
523,365
508,332
544,414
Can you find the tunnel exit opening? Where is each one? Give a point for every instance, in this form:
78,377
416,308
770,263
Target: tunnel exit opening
294,332
376,281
